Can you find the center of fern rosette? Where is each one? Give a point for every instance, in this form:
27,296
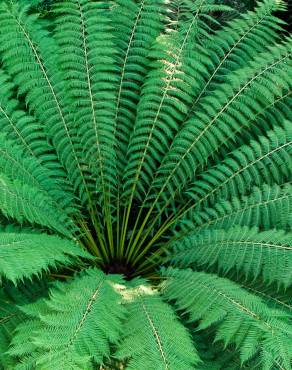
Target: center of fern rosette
120,267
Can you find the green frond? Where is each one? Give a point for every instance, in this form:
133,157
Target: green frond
11,299
249,251
234,45
77,323
267,160
19,166
153,338
10,317
170,86
87,59
137,24
26,203
24,254
247,90
273,115
279,299
19,126
238,316
30,57
267,207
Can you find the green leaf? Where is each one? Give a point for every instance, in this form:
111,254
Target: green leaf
267,254
238,316
26,203
24,254
77,324
153,338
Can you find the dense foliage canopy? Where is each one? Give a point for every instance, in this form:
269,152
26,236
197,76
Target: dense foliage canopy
145,187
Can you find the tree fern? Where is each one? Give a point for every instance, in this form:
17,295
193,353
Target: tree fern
145,186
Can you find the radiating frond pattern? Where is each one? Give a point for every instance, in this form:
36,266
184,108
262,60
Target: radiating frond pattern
145,186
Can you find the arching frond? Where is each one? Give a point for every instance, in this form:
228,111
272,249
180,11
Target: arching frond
267,207
166,95
11,300
279,299
24,254
19,126
246,92
153,338
30,56
249,251
77,324
25,203
18,165
267,160
137,24
86,56
234,45
238,316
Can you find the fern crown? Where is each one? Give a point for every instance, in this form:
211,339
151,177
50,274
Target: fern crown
145,186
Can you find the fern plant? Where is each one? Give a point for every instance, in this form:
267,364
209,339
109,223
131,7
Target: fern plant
145,187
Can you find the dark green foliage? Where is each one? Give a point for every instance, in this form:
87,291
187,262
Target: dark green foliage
145,186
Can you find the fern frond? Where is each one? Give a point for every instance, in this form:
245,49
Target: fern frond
30,56
267,160
87,56
11,300
19,126
234,45
23,202
165,98
277,113
247,90
153,338
81,319
249,251
238,316
137,24
10,317
19,166
267,207
280,300
24,254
